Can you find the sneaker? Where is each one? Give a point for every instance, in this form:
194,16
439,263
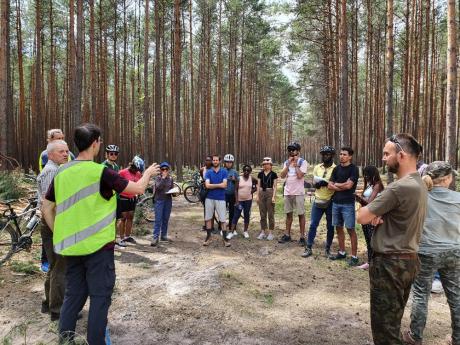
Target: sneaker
354,261
261,236
302,242
436,287
338,256
129,239
235,233
216,231
409,340
327,252
121,243
284,239
227,243
221,234
229,236
245,234
165,239
45,267
55,316
154,243
364,266
308,252
207,242
270,237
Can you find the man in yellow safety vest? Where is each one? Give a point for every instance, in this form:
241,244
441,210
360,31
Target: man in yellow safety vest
80,209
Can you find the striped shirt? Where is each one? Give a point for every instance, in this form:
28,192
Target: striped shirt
45,178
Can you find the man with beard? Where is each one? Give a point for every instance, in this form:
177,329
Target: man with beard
343,181
398,214
323,200
216,184
294,170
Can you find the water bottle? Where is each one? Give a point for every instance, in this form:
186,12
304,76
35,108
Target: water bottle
107,337
33,222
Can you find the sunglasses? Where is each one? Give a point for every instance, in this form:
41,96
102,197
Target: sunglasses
394,140
247,170
163,169
113,153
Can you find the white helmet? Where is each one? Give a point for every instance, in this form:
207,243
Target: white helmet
229,158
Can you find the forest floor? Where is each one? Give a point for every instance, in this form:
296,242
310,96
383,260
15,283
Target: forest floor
255,292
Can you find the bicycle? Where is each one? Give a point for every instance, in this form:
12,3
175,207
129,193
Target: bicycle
192,192
195,178
16,233
146,204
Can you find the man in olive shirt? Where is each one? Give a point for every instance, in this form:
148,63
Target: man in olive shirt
398,214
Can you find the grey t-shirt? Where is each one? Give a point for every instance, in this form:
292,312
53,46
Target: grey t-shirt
441,231
402,206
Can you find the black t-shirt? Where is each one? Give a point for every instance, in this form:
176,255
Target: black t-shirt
341,174
110,181
266,181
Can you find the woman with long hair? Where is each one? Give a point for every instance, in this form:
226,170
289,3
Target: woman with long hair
373,186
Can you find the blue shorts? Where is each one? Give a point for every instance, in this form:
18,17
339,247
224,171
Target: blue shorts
343,215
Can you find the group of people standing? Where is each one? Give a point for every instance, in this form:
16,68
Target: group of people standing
412,228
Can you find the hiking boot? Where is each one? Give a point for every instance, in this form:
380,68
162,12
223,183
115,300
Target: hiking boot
284,239
354,261
302,242
308,252
154,243
327,252
409,340
338,256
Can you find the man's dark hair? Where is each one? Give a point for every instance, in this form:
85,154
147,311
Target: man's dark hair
85,135
216,156
246,166
348,149
407,143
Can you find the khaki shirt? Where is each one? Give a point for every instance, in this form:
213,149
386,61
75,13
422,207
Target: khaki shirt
319,170
402,206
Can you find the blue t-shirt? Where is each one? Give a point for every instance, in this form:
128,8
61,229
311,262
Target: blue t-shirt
216,178
231,184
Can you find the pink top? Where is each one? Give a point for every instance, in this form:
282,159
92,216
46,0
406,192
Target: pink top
130,177
294,185
244,189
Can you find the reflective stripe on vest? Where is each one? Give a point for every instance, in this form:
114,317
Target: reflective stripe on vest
85,221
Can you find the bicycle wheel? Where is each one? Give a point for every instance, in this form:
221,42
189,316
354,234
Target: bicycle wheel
8,240
176,185
192,194
146,206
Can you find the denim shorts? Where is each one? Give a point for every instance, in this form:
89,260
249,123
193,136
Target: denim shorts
343,215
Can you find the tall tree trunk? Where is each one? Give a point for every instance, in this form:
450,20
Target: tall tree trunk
389,76
146,80
158,87
451,115
177,87
344,133
5,101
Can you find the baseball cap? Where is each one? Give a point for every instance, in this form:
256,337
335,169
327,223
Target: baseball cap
439,169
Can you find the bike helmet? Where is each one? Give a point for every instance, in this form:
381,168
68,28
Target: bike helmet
327,149
112,148
293,146
138,163
229,158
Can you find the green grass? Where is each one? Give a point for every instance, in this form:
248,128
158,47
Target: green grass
26,267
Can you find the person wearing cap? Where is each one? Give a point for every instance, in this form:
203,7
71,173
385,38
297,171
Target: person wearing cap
163,204
439,250
398,214
233,178
128,201
294,170
323,200
266,198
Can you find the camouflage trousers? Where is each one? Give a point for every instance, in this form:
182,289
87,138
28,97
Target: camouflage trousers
448,265
390,284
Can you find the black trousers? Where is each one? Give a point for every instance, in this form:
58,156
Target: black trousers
94,276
